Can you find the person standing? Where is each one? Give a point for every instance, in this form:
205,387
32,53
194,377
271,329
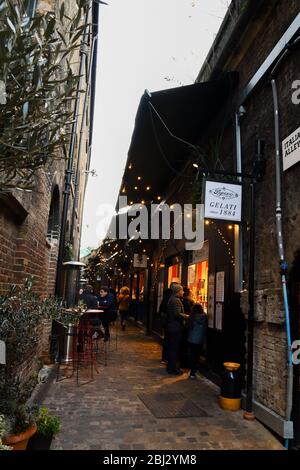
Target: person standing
196,336
174,327
107,303
162,314
124,302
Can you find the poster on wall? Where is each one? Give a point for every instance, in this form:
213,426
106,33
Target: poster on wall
219,316
211,301
220,285
160,293
2,353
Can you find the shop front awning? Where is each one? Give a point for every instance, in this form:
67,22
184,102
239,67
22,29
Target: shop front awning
155,157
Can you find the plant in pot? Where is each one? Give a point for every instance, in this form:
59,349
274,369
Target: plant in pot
4,430
47,427
21,423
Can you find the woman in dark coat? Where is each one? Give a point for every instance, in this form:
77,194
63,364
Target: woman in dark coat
162,313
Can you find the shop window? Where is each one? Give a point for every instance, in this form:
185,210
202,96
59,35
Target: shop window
174,274
198,281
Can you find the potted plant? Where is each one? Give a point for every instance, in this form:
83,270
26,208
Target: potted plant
47,427
3,432
21,421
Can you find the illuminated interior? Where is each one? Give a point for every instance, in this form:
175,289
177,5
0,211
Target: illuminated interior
174,274
198,282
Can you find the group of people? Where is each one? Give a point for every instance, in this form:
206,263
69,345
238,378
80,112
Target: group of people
108,301
179,314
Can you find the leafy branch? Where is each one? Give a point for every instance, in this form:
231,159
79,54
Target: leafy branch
37,88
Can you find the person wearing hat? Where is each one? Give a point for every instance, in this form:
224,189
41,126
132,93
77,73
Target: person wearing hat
174,327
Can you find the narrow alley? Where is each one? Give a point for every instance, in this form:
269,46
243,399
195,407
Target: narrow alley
109,413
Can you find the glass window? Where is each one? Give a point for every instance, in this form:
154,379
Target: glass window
174,273
198,282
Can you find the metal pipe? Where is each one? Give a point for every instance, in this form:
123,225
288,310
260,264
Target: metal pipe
238,238
281,249
249,398
68,177
83,119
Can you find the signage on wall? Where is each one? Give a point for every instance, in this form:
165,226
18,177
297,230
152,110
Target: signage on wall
291,149
200,255
211,301
223,201
220,286
139,261
2,353
219,316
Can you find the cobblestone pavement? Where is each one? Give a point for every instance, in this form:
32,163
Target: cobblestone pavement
107,413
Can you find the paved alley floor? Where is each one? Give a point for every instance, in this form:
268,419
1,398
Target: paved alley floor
108,413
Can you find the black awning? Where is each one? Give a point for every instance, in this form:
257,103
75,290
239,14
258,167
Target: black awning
154,154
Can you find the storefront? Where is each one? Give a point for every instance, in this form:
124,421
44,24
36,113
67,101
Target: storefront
197,276
174,273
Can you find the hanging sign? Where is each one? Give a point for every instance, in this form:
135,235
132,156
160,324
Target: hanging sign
223,201
291,149
139,261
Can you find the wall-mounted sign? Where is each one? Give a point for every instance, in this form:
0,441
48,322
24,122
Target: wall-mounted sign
139,261
219,316
223,201
220,286
291,149
200,255
2,353
211,301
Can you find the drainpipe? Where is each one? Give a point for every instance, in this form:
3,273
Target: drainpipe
68,176
83,120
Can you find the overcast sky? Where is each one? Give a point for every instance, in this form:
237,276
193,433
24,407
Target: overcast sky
143,44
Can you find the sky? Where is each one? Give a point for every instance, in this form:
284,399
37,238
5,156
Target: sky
143,44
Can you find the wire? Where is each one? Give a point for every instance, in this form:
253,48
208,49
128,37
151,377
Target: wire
181,173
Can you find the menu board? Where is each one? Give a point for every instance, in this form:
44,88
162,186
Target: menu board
211,300
219,316
220,286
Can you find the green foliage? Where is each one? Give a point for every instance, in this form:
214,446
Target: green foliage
68,252
37,88
47,425
19,415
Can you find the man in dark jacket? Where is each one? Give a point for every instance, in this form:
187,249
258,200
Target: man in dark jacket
88,298
174,327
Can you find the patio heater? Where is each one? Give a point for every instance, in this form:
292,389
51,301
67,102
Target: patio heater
72,285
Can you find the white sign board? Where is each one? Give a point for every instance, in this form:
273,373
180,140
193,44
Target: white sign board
200,255
211,300
223,201
139,261
219,316
291,149
2,353
220,286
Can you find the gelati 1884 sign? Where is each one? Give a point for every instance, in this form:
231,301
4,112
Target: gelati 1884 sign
223,201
